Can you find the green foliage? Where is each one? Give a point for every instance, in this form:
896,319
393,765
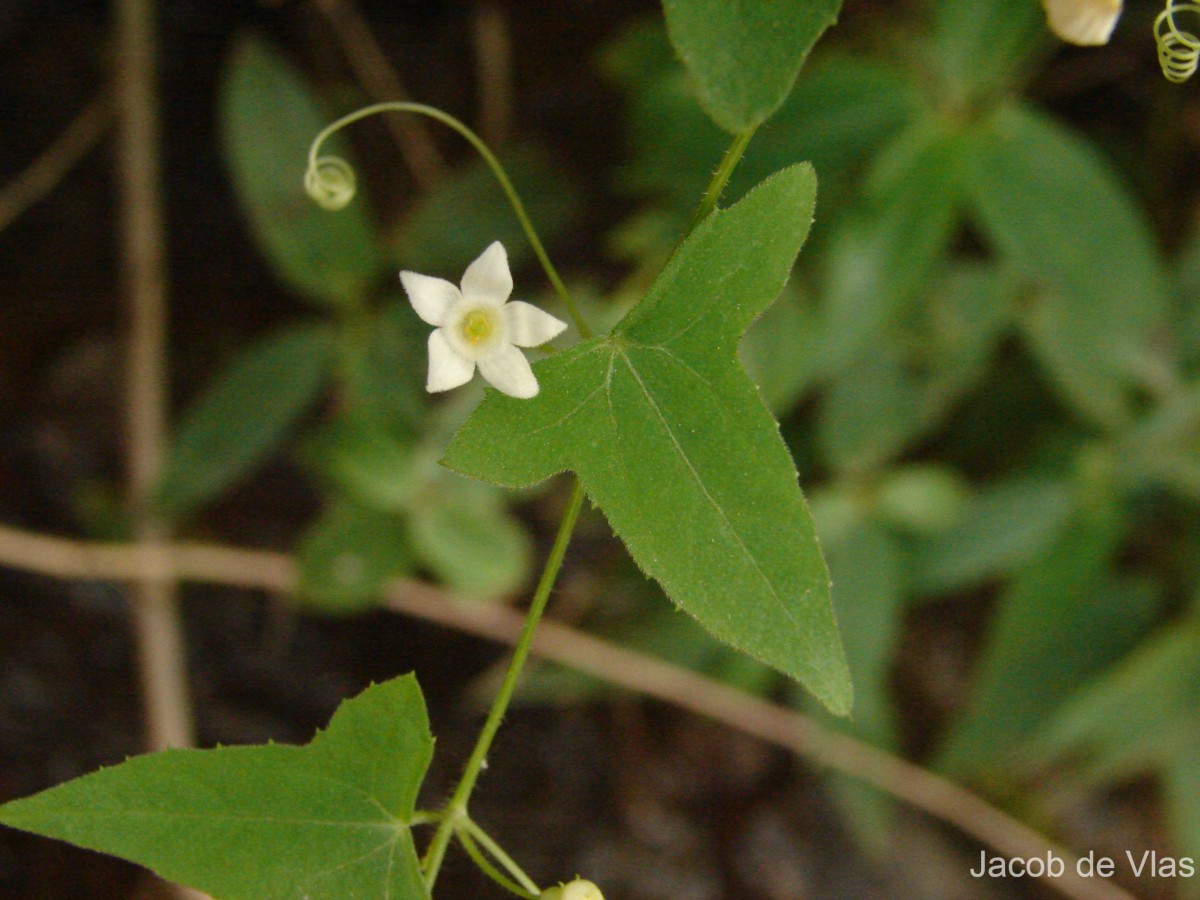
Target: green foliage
1139,717
373,464
651,419
837,114
407,513
347,555
744,56
388,510
378,374
1000,529
1049,201
882,253
463,533
982,364
268,116
327,821
867,566
985,47
779,350
969,248
244,415
1034,658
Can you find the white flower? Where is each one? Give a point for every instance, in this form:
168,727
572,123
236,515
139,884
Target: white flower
475,326
1086,22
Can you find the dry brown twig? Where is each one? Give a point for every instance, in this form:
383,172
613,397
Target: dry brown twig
382,82
158,630
155,610
493,64
275,572
41,176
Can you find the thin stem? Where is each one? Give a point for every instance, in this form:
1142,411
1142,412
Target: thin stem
457,807
154,609
493,163
485,865
493,65
472,829
721,177
58,557
45,173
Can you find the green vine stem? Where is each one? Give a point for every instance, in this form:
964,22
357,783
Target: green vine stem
721,177
329,180
471,836
455,814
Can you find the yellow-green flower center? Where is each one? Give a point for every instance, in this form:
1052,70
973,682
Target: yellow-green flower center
477,326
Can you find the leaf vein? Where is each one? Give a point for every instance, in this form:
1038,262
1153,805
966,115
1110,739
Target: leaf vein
788,612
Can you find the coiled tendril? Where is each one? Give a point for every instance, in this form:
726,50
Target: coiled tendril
1178,51
330,181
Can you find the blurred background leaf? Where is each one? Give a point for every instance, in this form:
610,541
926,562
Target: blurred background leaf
244,414
346,557
744,56
270,117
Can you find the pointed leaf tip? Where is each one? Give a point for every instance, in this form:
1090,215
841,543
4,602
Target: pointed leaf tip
672,441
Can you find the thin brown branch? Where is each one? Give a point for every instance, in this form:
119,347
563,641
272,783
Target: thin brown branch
382,82
155,609
45,172
493,63
934,794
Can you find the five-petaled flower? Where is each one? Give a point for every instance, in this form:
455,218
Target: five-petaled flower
476,326
1086,22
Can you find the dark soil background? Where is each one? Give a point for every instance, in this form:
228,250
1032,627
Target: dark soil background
649,802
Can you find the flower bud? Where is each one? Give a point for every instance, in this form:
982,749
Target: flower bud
330,182
579,889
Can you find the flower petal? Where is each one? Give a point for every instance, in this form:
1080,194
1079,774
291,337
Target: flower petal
529,326
487,280
447,369
1084,22
508,371
430,297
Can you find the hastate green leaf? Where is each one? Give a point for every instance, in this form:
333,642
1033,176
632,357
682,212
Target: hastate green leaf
328,821
744,55
672,441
